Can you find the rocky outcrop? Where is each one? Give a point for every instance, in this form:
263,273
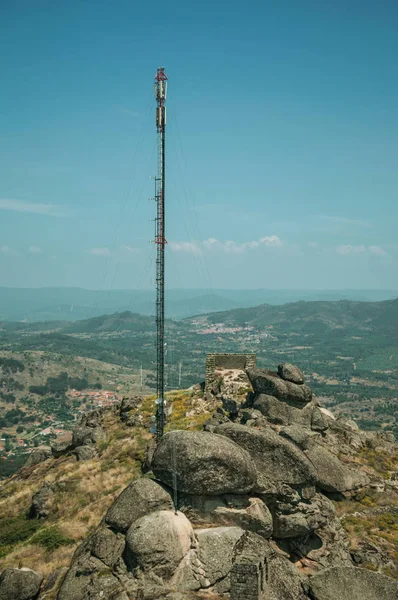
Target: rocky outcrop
255,517
85,452
303,437
276,459
61,446
285,582
291,373
41,502
90,576
291,525
52,584
84,435
368,553
331,474
128,412
107,546
251,514
270,383
252,500
20,584
281,413
140,498
216,554
158,542
203,463
348,583
38,455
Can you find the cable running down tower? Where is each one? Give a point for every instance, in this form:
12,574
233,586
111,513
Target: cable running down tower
160,240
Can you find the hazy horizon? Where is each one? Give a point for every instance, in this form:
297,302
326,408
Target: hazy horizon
204,289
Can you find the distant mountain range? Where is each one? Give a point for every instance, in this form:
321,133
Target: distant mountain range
73,304
318,316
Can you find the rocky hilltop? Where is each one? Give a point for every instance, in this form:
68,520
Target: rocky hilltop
250,495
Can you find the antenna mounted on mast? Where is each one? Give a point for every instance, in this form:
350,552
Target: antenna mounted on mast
160,240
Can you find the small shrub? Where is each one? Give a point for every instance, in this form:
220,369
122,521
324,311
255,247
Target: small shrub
103,445
51,538
13,531
106,465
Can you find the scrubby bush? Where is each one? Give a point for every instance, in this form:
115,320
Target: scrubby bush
11,365
40,390
51,538
13,531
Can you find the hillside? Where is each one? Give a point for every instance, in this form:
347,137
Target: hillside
348,350
121,338
346,519
85,488
42,394
318,316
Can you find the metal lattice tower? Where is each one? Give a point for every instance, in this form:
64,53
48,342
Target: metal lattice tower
160,240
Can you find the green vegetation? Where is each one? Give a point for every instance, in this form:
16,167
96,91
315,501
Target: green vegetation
51,538
59,385
15,531
348,351
10,365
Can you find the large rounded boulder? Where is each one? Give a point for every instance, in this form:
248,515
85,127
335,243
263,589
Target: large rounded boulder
19,584
140,498
159,541
270,383
281,413
203,463
290,372
216,553
276,459
352,583
331,474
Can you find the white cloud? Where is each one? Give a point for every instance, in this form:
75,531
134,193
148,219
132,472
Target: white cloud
377,250
8,250
271,240
30,207
313,244
210,243
344,221
231,247
355,250
100,251
34,250
348,249
189,247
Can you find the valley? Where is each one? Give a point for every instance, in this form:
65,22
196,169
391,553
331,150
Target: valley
52,372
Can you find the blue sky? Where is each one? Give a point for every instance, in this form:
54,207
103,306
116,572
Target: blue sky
282,143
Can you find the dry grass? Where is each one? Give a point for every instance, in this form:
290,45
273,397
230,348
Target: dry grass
83,493
35,557
372,517
85,490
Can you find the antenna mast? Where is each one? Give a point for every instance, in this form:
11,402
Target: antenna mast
160,240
